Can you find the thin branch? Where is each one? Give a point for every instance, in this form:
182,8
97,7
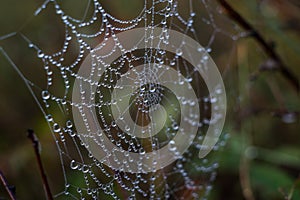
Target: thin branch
7,186
36,146
268,48
245,179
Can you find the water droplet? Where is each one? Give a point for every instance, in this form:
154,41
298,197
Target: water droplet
63,102
219,91
215,165
152,88
56,128
142,151
179,52
85,169
209,188
190,22
180,81
59,11
45,94
189,79
143,88
192,102
68,38
49,118
113,102
200,49
113,124
69,124
175,127
172,145
73,164
40,54
116,176
213,100
208,50
72,133
127,128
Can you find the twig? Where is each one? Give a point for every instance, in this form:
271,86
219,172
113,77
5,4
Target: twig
268,48
245,179
36,146
7,186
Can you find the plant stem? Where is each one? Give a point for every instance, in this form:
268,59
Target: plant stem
262,42
7,187
245,179
36,146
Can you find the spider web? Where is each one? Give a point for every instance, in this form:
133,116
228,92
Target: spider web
78,75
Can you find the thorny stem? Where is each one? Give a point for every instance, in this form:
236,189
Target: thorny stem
262,42
7,186
36,146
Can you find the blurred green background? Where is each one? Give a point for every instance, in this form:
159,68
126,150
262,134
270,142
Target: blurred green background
262,157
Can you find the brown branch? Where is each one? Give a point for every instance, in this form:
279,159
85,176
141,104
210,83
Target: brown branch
268,48
36,146
7,186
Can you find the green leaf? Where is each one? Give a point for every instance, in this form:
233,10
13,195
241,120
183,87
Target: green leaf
268,179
